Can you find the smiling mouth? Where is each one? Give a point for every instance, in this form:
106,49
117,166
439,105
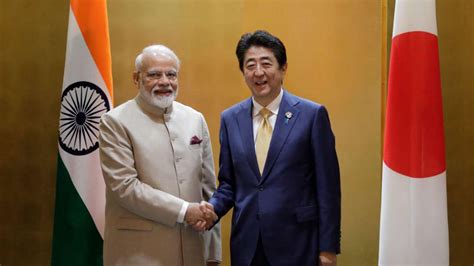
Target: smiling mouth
260,83
163,92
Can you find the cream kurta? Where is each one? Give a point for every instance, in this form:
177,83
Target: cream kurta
150,167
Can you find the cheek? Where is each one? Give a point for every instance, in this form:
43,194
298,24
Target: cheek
277,78
248,79
174,85
149,86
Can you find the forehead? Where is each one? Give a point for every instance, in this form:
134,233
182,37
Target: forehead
259,53
158,62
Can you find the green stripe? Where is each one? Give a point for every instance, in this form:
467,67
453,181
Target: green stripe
76,240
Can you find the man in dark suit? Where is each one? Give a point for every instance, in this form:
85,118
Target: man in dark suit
278,167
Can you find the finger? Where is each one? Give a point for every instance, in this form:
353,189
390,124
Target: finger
207,205
207,214
203,208
196,227
211,216
199,229
200,226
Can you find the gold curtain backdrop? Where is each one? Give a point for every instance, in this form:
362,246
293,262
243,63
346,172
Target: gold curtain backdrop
337,55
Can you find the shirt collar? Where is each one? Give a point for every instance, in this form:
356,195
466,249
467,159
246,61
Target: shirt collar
272,107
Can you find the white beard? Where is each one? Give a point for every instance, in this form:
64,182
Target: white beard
162,102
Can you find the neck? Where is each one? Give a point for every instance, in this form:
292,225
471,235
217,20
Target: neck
264,101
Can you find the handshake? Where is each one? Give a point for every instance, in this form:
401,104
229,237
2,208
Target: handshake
200,216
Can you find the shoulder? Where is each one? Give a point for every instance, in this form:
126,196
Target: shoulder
186,111
188,115
303,103
244,105
119,117
121,110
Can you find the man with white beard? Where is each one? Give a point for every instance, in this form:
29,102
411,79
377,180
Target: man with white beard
157,164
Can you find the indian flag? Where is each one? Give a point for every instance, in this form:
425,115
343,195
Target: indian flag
414,221
86,95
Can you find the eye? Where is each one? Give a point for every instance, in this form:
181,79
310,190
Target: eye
250,66
153,75
267,64
171,75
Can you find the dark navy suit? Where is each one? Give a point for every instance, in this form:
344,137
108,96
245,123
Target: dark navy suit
294,206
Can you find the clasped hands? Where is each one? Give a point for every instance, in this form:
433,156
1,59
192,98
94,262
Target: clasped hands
200,216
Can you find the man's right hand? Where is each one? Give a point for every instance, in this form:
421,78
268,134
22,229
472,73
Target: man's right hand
208,212
193,214
200,216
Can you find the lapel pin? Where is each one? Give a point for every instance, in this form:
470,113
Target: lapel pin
288,116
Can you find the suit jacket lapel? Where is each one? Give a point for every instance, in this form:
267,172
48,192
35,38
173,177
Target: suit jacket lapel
286,119
245,122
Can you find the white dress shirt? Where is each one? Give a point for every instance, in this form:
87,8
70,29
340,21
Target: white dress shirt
273,107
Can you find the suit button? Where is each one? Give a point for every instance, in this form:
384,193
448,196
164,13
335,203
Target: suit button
177,159
260,188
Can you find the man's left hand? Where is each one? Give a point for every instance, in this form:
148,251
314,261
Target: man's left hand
327,259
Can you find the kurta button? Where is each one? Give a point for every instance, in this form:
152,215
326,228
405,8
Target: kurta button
177,159
260,188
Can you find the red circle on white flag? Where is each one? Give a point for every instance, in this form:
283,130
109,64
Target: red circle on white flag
414,134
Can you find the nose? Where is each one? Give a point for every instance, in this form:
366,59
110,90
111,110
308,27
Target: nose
258,71
163,80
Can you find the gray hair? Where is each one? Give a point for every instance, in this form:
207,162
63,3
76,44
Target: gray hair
155,49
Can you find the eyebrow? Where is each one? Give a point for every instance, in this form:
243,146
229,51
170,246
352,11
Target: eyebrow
255,59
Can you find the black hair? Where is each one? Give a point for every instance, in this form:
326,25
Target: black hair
260,38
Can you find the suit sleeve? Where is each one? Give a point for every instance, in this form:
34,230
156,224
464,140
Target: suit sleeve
213,236
223,198
327,182
121,177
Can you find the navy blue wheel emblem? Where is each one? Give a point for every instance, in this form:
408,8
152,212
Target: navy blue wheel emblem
82,105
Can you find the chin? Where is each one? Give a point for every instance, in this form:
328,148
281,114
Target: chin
163,101
158,100
263,94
